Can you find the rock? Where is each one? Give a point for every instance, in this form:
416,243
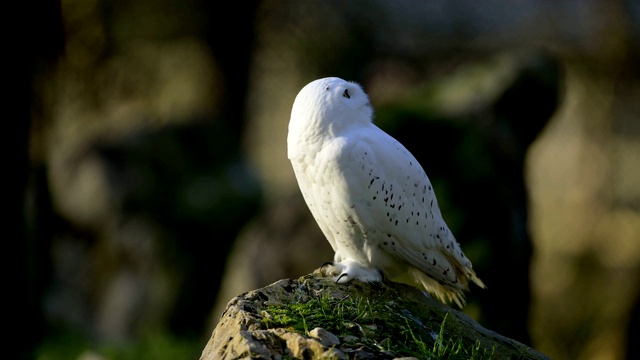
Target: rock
326,338
314,318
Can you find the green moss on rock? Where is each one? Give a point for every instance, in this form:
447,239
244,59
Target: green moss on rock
314,318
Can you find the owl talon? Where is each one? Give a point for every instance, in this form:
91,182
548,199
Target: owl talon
340,278
332,269
347,270
328,263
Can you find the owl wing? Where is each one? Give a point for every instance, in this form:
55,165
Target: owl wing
401,208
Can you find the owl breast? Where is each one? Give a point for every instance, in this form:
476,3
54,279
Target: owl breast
347,205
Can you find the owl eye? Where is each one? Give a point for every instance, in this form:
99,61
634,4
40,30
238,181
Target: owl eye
346,94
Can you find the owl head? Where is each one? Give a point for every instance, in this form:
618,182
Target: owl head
326,108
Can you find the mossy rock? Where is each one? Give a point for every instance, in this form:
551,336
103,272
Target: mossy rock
315,318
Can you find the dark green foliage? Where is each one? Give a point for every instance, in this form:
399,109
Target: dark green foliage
69,344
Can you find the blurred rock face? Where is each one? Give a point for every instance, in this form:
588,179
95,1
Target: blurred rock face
586,216
139,144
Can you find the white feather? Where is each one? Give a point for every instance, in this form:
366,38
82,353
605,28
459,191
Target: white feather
370,196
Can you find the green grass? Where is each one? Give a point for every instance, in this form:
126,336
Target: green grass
65,345
451,349
379,327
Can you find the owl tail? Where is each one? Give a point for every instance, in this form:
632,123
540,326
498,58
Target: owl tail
447,293
472,276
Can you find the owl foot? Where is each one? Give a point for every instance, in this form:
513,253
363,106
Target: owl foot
347,270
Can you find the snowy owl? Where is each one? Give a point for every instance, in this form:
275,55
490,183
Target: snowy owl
370,197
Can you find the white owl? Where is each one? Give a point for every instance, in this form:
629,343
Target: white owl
370,196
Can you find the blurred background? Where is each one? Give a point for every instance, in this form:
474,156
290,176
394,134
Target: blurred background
149,182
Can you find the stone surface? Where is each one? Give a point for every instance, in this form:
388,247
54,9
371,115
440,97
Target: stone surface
326,338
391,319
